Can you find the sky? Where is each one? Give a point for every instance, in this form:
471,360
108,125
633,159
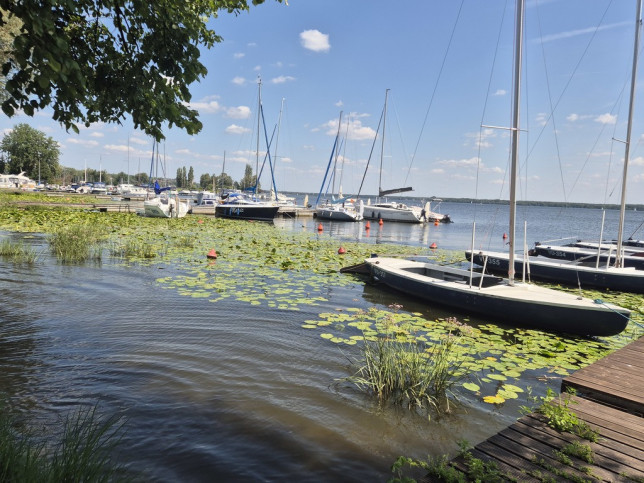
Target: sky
448,68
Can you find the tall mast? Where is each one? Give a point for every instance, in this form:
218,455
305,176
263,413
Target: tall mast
279,123
259,111
515,132
382,144
622,209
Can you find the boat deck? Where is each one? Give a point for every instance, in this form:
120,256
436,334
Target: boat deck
610,401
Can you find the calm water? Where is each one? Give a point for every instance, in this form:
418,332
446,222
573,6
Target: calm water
228,391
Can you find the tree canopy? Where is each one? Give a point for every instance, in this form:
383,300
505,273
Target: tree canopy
29,150
100,61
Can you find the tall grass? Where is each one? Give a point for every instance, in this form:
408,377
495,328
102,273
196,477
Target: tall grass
17,252
77,243
399,369
134,249
82,454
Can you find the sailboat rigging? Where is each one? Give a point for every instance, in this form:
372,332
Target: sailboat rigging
503,299
605,266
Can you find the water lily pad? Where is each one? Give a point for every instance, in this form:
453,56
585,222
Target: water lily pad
493,399
470,386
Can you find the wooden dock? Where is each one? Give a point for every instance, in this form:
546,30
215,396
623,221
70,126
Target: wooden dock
610,400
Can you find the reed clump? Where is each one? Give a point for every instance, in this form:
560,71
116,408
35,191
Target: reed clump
17,252
397,368
84,452
134,248
77,243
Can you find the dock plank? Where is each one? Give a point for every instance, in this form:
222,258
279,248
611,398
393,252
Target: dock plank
610,400
616,380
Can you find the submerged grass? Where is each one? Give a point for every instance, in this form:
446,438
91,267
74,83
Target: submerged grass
403,370
77,243
17,252
84,452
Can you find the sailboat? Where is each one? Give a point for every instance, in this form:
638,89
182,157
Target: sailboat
503,300
598,265
392,210
163,204
340,209
244,206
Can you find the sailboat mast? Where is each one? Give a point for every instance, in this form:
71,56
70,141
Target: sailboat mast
515,132
382,143
279,124
259,110
622,209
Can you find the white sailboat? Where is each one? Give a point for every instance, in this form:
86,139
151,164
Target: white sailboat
599,265
503,300
340,209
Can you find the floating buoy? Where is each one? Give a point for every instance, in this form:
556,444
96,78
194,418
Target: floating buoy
380,221
212,253
505,235
436,223
341,251
367,226
320,227
433,246
200,221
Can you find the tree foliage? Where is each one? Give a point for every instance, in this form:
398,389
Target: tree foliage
100,61
29,150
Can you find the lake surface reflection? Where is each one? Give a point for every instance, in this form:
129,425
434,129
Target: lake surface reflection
222,391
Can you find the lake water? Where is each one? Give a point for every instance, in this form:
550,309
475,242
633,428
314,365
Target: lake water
231,391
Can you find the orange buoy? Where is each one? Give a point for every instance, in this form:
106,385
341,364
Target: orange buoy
341,251
380,221
505,235
436,223
320,227
200,221
367,226
212,253
433,246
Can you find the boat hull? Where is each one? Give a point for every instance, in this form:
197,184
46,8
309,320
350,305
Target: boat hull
391,214
520,304
576,254
157,208
336,215
622,280
240,211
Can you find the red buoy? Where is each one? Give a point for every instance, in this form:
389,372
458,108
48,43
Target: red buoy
380,221
505,235
367,226
320,227
200,221
212,253
341,251
436,223
433,246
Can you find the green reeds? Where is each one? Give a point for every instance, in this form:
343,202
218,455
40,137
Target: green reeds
133,248
17,252
77,243
83,453
397,368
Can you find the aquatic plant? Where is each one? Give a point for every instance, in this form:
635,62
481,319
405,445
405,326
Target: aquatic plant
17,252
396,367
84,452
77,243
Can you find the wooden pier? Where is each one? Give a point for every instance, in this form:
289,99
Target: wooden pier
610,399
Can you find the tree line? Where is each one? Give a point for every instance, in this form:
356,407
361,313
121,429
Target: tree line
29,150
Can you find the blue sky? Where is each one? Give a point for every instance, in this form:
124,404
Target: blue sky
320,57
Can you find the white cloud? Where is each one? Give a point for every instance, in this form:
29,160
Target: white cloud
575,33
141,142
573,117
97,135
315,40
235,129
206,107
461,163
239,112
239,55
339,104
240,81
115,147
83,142
639,161
500,92
282,79
606,119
